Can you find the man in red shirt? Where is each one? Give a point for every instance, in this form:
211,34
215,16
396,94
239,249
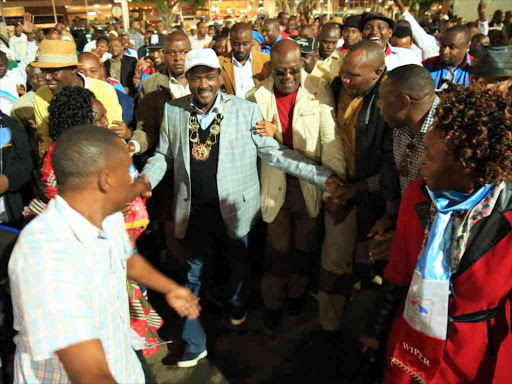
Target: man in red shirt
301,108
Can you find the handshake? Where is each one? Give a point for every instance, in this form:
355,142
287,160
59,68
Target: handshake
339,204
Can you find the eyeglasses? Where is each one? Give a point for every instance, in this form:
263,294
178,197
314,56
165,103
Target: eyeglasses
293,72
403,168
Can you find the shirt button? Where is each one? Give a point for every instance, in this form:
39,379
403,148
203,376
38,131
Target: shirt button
186,199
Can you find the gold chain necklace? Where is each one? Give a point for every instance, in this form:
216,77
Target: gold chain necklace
201,151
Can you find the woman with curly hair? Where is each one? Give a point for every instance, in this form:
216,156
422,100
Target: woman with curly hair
448,280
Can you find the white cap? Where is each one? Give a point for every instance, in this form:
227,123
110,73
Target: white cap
201,56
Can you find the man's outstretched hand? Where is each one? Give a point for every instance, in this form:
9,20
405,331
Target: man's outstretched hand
183,301
141,187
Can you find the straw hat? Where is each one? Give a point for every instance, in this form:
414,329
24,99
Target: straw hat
337,20
56,54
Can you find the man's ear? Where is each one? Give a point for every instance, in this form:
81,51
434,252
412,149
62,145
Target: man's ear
105,181
405,102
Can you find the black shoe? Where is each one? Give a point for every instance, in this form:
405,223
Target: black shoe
296,307
238,315
271,320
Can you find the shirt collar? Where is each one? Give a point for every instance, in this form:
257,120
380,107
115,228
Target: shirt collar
389,50
214,109
174,81
84,230
236,63
430,116
86,83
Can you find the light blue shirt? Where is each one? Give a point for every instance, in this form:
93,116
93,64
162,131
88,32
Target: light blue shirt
205,119
68,284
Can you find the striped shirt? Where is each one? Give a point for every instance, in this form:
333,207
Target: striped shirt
68,284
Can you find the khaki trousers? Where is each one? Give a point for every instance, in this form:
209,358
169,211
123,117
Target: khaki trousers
336,270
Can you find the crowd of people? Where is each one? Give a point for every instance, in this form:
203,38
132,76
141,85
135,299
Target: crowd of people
374,151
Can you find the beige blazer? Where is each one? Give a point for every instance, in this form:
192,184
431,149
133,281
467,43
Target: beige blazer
329,68
315,135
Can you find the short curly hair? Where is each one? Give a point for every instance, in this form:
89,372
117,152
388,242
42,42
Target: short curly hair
477,124
70,107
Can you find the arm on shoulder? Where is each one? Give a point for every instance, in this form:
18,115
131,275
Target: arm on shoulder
85,363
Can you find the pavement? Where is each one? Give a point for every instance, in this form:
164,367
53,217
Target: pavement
297,353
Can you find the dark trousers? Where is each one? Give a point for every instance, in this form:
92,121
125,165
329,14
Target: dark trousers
149,376
290,242
207,237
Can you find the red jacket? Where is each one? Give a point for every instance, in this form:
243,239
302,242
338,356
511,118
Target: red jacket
476,352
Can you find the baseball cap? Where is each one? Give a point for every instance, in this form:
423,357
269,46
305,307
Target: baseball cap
306,44
201,56
155,42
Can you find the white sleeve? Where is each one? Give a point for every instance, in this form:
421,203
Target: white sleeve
483,27
426,42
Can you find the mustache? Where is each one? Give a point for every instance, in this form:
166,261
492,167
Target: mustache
199,90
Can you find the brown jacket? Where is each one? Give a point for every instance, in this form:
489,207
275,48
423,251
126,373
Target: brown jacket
261,69
151,100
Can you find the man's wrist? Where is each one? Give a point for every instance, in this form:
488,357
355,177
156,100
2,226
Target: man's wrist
136,145
170,288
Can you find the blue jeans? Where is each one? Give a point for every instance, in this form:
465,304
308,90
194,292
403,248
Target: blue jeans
207,236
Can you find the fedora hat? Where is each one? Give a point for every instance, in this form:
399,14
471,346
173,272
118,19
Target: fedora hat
365,17
353,21
56,54
493,61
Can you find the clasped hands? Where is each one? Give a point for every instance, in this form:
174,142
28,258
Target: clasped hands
340,193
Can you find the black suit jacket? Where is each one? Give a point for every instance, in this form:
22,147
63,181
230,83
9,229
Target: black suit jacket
128,64
18,164
374,156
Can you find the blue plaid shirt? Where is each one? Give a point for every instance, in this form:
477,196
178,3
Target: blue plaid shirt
68,285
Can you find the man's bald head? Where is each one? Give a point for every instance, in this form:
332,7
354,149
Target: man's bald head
328,39
89,66
240,28
373,53
177,45
83,151
175,36
362,67
241,41
284,50
330,29
412,80
286,66
270,31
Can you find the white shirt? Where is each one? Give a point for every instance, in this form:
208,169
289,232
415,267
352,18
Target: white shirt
243,77
177,89
68,285
427,43
196,42
483,27
13,78
18,46
417,50
399,57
